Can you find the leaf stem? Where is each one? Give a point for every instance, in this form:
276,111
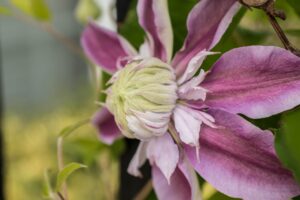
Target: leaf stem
60,161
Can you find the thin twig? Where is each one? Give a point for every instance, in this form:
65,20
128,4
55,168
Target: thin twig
63,39
145,191
68,42
272,14
60,196
269,8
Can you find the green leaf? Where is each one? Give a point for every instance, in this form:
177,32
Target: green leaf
287,142
250,37
35,8
65,173
4,10
220,196
47,189
295,5
68,130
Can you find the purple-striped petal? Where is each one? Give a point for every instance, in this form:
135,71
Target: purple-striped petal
166,161
154,18
138,160
105,47
183,184
206,24
105,123
239,160
256,81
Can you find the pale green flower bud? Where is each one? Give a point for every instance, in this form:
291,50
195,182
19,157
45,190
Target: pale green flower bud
86,10
255,2
142,97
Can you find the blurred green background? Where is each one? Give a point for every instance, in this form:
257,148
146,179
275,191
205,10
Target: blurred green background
48,86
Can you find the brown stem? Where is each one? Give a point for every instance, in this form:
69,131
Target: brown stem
145,191
272,14
174,135
61,197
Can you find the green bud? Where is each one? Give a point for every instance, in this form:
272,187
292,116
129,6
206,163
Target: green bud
85,10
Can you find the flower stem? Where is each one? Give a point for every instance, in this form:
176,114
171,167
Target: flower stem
145,191
272,14
61,197
60,161
174,135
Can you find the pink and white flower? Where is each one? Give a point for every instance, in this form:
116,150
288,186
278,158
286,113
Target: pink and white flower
187,120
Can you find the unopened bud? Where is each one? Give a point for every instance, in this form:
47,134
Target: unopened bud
255,3
86,10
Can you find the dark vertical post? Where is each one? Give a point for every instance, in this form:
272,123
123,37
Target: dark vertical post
122,9
130,186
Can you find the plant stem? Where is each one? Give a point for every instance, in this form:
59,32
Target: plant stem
61,196
174,135
60,160
145,191
272,14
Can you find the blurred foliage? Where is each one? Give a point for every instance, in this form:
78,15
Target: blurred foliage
288,140
295,5
65,173
178,20
35,8
4,10
31,149
86,10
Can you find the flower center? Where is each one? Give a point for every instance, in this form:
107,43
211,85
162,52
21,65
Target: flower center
142,97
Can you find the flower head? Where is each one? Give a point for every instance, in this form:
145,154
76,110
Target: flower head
189,121
142,97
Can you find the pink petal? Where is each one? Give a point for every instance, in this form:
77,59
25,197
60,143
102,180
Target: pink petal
193,66
138,160
105,47
256,81
163,153
183,184
187,125
239,160
206,24
106,126
154,18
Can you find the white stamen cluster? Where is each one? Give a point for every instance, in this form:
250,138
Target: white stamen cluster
142,97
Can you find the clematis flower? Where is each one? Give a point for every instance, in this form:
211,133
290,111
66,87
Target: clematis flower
187,119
